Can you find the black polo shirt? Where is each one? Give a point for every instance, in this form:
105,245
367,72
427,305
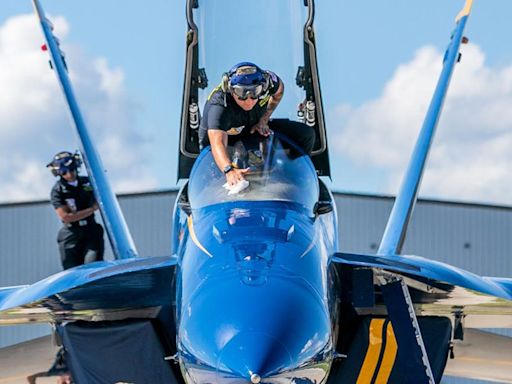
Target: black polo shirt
223,113
76,198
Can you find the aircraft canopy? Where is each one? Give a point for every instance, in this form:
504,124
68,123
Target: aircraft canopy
277,172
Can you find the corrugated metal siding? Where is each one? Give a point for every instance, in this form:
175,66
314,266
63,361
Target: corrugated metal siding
27,243
149,218
474,238
470,236
361,221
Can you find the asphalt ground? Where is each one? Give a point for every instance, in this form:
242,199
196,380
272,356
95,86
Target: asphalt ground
21,360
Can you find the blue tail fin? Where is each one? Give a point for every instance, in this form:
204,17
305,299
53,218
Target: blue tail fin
117,230
396,228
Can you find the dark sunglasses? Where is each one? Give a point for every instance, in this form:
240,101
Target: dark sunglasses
64,170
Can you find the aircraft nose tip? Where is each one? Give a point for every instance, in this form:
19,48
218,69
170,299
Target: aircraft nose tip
253,355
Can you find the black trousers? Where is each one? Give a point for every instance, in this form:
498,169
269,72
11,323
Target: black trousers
300,133
80,245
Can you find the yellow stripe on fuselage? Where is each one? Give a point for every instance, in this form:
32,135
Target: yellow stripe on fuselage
465,11
194,237
372,354
388,360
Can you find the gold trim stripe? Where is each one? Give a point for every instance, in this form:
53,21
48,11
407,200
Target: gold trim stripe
465,11
388,360
194,237
372,354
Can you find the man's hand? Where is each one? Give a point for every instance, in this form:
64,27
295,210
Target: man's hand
236,175
273,102
262,127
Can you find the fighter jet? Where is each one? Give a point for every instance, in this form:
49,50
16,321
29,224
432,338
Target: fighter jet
255,289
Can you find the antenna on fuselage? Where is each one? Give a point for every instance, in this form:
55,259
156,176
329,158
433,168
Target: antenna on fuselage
115,224
396,228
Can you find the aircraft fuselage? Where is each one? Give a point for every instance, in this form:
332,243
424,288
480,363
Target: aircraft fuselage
254,293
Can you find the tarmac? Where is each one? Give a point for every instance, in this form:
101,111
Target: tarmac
480,352
24,359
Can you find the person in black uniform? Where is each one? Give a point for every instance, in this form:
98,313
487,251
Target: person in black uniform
80,239
241,106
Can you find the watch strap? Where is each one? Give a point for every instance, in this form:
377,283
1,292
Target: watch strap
228,168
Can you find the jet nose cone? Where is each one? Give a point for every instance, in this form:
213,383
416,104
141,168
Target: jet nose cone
253,355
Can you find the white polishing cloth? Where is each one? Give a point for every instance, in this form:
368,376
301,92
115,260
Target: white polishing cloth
237,188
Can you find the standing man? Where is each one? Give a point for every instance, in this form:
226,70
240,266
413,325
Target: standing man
80,239
241,106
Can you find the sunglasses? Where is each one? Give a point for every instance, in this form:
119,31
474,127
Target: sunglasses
244,92
65,170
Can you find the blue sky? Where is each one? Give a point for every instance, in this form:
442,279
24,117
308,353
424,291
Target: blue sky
379,63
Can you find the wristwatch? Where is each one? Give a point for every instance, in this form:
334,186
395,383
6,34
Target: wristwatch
228,168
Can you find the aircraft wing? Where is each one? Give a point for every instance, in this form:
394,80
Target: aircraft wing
108,290
6,291
440,289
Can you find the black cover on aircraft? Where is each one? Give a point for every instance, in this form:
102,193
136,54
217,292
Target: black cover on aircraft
379,361
112,352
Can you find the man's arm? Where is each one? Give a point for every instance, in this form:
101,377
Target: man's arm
219,144
273,102
67,216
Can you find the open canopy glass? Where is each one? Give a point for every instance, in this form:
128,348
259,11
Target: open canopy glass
268,33
277,172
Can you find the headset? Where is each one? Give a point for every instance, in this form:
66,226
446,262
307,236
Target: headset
63,162
245,69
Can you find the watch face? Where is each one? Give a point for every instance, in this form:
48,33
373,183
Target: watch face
227,168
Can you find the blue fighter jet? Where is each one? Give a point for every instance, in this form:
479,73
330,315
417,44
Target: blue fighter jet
254,289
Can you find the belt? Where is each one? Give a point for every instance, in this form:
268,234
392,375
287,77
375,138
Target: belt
81,223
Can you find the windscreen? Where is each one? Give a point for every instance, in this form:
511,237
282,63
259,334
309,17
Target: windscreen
268,33
277,172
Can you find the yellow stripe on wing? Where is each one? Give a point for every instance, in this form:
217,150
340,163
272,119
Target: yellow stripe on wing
194,237
465,11
388,360
372,354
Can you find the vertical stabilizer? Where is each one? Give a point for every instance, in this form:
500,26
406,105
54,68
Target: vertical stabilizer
117,230
396,228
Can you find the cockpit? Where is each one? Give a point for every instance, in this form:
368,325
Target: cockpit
214,45
278,171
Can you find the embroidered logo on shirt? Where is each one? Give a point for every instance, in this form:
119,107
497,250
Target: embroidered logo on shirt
235,130
264,101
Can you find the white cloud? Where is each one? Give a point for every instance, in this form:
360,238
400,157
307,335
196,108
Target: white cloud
35,123
471,157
